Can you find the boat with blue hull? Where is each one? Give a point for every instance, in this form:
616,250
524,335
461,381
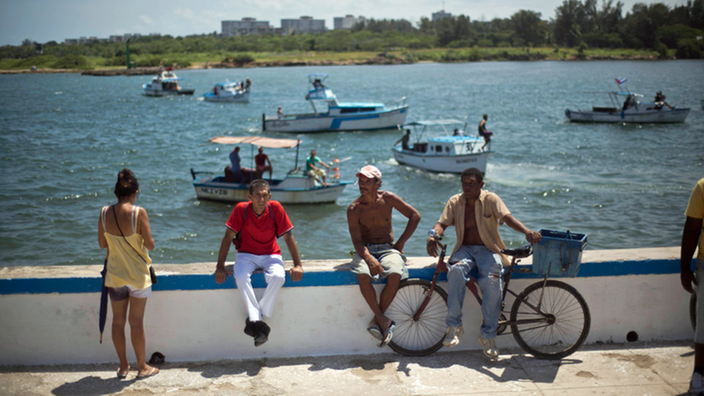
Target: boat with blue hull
446,153
294,188
339,116
229,92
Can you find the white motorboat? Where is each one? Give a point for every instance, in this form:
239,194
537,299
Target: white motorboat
164,84
339,116
295,188
228,92
626,108
451,153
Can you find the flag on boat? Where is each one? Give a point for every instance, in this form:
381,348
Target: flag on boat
620,81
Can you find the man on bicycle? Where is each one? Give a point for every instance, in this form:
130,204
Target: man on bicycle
476,215
369,221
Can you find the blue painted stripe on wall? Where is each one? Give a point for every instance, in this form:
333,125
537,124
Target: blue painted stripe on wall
312,279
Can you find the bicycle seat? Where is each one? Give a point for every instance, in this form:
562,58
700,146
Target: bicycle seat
521,252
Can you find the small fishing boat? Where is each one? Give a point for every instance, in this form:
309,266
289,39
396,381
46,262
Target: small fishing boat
229,92
357,116
295,188
449,152
627,108
165,84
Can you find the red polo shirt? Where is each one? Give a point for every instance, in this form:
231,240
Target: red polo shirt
259,233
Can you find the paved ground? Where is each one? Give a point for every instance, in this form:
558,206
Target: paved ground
611,369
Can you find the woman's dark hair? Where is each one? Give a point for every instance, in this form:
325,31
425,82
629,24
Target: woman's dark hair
127,184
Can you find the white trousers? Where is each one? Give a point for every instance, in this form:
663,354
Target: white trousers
274,274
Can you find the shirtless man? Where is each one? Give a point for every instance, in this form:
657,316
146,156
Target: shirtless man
369,220
483,132
263,164
476,215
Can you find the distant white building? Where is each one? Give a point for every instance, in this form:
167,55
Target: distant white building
115,39
347,22
440,15
71,41
305,24
244,27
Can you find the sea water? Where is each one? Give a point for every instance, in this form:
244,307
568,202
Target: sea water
64,137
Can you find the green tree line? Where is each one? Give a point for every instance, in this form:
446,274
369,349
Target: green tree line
576,24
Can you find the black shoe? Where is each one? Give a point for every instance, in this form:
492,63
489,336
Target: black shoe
262,332
249,328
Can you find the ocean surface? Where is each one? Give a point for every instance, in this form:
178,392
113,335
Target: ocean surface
63,138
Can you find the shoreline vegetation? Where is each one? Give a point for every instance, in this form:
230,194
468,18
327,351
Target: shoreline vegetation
96,65
579,30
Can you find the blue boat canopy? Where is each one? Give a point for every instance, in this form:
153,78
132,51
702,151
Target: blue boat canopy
317,76
447,121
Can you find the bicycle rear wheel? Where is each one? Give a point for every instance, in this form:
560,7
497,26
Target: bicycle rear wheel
425,335
558,328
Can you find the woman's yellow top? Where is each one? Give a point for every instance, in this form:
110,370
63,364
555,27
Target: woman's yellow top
126,265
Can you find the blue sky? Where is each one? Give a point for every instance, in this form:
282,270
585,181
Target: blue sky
46,20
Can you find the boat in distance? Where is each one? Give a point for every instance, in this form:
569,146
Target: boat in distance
626,108
229,92
356,116
447,153
165,84
294,188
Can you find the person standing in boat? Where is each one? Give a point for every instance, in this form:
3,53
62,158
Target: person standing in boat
280,113
483,132
127,270
254,227
404,140
263,164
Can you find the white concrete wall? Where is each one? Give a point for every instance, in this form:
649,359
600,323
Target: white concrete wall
331,320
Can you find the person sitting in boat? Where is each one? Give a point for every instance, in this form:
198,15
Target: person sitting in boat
404,140
313,170
235,173
456,132
261,160
280,113
317,84
660,101
483,132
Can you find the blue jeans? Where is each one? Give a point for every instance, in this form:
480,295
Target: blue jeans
486,267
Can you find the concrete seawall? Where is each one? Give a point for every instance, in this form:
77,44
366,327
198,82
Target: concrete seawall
50,314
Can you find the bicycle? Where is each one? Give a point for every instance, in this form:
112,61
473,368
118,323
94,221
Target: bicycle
549,319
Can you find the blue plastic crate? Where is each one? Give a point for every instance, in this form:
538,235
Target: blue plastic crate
558,253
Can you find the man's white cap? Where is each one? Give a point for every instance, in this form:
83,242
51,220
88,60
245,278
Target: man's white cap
370,171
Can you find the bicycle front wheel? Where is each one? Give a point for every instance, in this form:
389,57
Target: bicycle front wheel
552,327
424,335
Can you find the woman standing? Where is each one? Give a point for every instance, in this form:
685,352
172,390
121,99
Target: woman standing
124,229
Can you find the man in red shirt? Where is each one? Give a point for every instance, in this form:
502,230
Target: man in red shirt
257,224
